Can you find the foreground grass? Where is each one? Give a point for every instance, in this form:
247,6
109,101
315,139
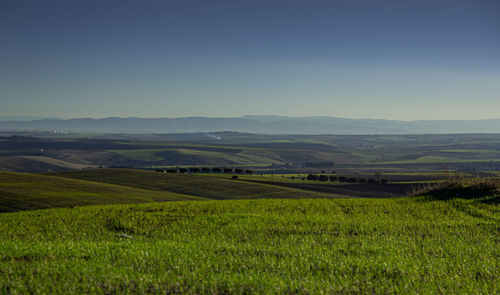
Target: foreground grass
416,245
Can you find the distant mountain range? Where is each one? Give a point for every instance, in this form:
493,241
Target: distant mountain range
254,124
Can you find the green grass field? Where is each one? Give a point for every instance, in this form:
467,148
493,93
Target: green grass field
435,159
444,242
244,157
471,151
194,185
342,246
23,191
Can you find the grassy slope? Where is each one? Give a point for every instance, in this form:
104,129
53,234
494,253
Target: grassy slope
195,185
202,154
36,163
21,191
244,157
360,246
436,159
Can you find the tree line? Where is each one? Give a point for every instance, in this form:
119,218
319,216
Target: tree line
224,170
335,178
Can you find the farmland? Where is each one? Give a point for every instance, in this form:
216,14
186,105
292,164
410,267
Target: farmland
27,191
377,221
263,153
23,191
195,185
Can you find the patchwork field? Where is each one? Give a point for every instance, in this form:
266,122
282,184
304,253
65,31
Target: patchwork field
266,153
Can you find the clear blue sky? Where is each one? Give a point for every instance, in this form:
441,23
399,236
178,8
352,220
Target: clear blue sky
399,59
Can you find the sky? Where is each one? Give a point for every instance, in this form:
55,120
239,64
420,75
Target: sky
400,60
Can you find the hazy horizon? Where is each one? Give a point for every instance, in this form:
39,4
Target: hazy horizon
35,118
394,60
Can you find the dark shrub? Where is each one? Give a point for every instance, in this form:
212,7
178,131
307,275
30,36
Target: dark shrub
312,177
323,177
234,177
194,170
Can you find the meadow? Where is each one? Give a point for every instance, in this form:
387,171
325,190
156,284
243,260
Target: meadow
28,191
199,185
418,245
25,191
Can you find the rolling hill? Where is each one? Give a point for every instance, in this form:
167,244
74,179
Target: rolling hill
23,191
26,191
194,185
37,164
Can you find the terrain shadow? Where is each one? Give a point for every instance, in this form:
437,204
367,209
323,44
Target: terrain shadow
479,190
360,190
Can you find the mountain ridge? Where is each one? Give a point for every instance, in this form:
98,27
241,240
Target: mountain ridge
255,124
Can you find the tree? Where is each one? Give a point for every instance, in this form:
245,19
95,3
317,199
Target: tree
312,177
333,178
228,170
216,170
194,170
249,171
205,170
238,170
323,177
183,170
234,177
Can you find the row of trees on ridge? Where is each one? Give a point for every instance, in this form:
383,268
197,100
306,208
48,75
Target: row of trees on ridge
335,178
225,170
